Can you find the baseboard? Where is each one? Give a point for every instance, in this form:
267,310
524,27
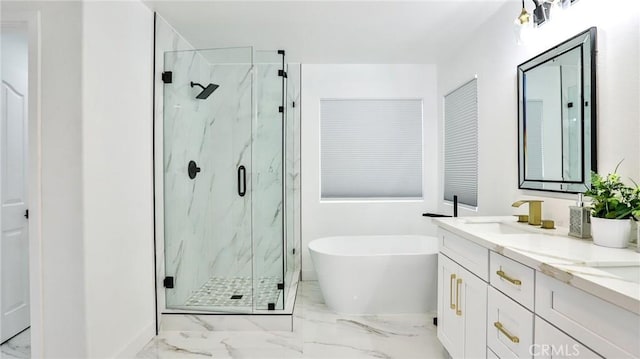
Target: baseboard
136,345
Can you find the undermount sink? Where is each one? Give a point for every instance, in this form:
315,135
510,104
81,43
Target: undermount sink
630,273
498,228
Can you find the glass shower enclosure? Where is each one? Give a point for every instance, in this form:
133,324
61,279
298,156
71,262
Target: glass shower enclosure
225,192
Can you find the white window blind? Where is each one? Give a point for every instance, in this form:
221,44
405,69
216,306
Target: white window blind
461,144
371,148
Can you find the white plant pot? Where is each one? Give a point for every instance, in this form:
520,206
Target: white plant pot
638,237
613,233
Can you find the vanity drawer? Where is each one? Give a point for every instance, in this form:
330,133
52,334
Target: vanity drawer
512,278
509,327
471,256
609,330
550,342
491,355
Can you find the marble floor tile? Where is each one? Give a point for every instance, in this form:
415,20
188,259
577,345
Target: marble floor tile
18,347
318,333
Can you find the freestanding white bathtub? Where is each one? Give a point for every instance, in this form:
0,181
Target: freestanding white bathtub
377,274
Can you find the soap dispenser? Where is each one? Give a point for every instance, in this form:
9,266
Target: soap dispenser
579,220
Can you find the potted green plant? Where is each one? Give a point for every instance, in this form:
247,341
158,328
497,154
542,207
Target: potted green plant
612,207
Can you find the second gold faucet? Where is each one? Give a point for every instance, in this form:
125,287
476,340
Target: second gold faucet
535,210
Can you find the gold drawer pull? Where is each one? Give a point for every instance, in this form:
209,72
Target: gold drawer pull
451,304
458,283
511,337
504,276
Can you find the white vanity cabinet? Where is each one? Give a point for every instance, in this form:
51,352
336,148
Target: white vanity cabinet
607,329
492,306
530,314
462,297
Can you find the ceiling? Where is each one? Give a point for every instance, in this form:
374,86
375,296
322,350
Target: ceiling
332,31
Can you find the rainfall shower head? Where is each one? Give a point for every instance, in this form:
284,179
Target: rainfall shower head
206,91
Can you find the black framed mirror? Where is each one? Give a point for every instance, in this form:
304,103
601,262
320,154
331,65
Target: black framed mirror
557,117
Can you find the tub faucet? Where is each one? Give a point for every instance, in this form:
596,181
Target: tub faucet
455,205
455,210
535,210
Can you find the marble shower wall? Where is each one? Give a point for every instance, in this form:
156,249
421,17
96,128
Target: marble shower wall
182,124
267,170
229,253
207,224
292,169
171,259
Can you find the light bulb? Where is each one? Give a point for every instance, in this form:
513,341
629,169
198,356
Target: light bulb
523,32
522,26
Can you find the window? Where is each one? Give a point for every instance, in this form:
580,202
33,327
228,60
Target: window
461,144
371,148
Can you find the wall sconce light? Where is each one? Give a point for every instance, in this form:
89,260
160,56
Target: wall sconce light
543,12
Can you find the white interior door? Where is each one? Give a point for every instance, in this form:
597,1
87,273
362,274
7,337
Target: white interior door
14,239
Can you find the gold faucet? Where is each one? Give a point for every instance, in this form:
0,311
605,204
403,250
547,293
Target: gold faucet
535,210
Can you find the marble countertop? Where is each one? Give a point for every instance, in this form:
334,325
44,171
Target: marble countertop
608,273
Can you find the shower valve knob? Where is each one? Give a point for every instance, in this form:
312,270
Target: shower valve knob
193,169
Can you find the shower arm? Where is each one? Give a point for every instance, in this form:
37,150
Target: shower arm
197,84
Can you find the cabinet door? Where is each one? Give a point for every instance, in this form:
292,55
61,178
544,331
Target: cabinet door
450,325
462,308
473,310
550,343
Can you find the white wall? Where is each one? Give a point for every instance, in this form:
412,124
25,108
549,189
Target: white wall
493,55
96,296
118,176
58,323
327,218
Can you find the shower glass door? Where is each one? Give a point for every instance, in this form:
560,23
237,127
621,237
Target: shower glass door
208,117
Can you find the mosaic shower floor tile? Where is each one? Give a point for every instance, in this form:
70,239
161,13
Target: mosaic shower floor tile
235,292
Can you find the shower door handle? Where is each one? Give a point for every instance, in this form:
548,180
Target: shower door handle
242,181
